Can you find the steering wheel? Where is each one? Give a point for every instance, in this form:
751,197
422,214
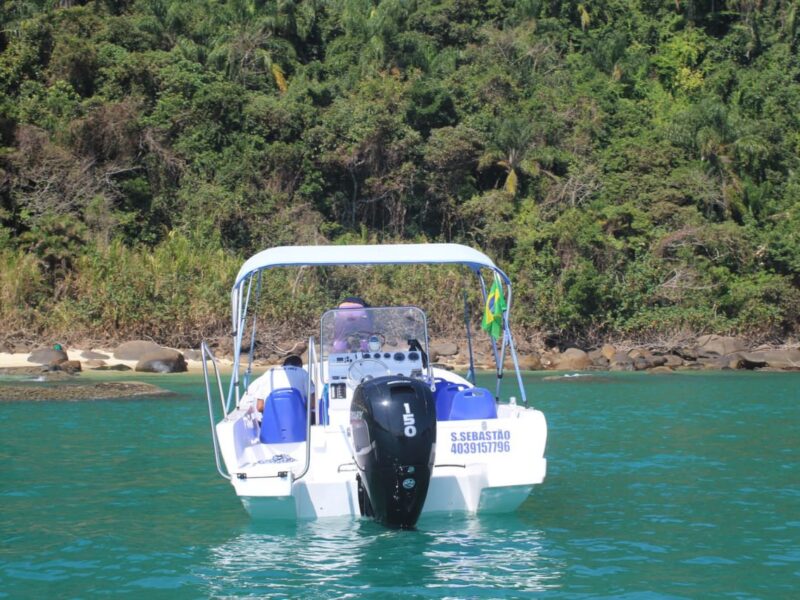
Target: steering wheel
365,369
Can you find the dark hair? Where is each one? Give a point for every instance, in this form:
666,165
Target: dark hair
292,361
355,300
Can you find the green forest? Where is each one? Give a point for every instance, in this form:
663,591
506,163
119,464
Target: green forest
633,165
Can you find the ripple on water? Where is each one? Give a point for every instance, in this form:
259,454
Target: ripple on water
467,555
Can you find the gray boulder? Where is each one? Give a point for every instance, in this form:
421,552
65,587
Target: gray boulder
672,360
752,360
621,362
599,359
162,360
92,355
714,363
640,353
774,359
608,351
135,350
573,359
549,358
69,366
47,356
735,361
117,367
530,362
444,349
717,345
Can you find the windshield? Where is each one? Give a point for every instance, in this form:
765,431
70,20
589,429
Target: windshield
384,329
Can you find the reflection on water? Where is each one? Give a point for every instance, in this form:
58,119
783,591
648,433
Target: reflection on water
446,557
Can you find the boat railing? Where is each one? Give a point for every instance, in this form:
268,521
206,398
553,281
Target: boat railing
312,362
208,355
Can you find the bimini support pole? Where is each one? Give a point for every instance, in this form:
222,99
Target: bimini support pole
512,349
233,390
251,354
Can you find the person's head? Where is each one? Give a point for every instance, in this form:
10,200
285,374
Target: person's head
353,302
292,361
350,318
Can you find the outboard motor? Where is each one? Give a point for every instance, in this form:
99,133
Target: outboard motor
393,420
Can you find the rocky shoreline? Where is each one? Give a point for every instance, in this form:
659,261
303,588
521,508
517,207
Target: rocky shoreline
56,368
52,373
708,352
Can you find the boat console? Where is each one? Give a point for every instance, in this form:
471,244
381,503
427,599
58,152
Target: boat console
353,368
366,343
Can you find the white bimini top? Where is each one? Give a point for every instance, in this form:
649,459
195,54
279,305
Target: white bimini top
376,254
360,255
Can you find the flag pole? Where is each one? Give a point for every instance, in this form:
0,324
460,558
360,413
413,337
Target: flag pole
498,366
471,371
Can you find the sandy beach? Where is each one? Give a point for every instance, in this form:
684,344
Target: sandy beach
20,359
21,380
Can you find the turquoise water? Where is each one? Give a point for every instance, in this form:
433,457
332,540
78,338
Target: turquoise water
677,486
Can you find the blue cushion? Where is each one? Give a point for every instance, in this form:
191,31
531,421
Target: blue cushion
473,403
284,417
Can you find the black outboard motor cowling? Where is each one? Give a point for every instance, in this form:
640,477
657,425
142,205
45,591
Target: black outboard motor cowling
393,420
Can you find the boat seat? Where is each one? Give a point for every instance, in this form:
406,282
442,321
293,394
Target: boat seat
284,419
473,403
444,394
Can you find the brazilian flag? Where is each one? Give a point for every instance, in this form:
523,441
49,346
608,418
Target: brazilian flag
494,309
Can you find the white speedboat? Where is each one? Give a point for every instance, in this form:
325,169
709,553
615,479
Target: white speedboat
370,427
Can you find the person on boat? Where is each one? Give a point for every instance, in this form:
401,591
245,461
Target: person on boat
352,321
290,375
353,302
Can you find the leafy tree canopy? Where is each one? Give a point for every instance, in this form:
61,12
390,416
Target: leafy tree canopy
634,165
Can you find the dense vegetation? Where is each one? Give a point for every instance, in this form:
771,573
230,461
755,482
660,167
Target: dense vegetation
633,164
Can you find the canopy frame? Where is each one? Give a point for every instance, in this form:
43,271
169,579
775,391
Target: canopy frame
365,255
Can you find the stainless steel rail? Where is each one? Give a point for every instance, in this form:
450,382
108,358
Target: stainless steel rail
312,358
206,356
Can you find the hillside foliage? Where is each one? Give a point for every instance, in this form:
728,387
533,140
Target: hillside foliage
634,165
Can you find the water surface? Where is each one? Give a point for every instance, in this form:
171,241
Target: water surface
675,486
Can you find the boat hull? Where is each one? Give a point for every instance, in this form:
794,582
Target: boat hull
482,466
